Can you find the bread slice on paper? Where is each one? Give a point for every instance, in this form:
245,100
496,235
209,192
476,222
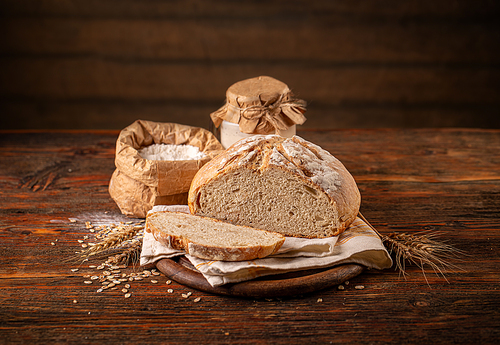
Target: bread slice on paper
211,239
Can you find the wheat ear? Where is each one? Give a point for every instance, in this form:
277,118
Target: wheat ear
112,240
130,254
420,249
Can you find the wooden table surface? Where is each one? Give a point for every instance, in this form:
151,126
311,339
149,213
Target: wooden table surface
445,180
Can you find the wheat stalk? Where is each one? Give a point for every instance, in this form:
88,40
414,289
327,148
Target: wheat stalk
130,254
115,239
420,249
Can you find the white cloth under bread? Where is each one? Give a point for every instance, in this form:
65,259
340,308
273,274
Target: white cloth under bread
358,244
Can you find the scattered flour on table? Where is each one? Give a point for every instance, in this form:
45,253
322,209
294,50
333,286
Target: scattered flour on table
169,152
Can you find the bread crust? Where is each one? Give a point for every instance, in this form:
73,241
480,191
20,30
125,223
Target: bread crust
310,163
209,252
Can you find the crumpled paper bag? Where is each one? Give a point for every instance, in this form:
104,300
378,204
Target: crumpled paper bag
138,184
357,244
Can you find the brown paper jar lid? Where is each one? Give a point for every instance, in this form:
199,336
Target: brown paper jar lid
261,105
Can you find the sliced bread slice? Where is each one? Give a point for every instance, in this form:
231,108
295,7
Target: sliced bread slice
211,239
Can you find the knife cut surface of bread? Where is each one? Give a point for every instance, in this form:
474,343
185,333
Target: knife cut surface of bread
287,185
211,239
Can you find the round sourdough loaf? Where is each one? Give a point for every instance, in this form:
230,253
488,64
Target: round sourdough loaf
287,185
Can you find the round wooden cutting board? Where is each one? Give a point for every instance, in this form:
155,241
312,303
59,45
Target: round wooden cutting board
282,285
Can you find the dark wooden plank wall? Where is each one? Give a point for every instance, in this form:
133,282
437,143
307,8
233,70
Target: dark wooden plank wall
364,63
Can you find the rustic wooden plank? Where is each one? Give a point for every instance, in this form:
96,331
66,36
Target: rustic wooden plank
417,316
345,10
90,78
232,39
392,167
396,64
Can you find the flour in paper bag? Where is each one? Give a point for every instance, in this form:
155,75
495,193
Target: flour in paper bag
169,152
